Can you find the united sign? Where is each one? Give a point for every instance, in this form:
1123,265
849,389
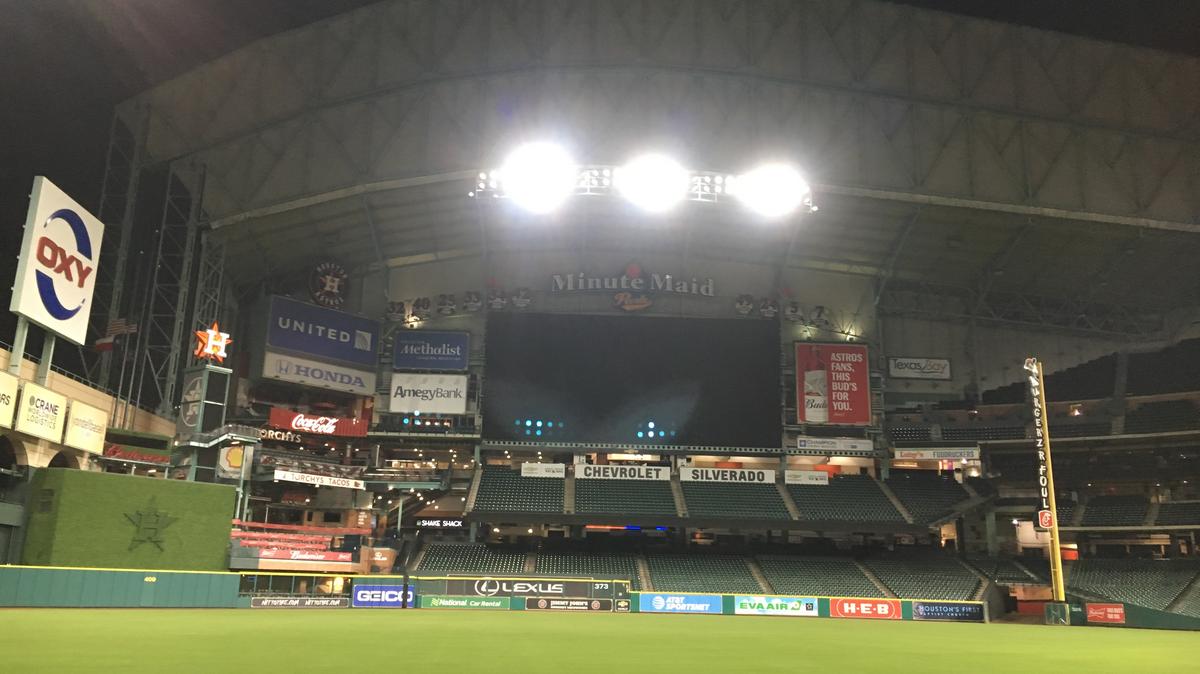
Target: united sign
56,268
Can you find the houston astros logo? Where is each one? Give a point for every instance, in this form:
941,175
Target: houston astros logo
211,343
63,264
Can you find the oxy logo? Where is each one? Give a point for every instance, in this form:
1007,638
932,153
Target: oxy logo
61,269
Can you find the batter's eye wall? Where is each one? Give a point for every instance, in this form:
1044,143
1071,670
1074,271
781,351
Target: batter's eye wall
574,378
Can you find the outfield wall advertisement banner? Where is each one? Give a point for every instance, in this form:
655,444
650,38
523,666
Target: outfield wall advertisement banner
835,445
919,368
306,555
324,334
590,472
878,609
556,470
768,605
86,427
382,596
299,602
56,266
947,610
320,375
939,454
318,480
42,414
516,587
8,399
809,477
431,350
439,601
649,602
1108,614
551,604
429,393
833,384
749,475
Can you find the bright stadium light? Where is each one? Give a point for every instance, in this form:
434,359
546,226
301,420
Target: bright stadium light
538,176
652,182
771,190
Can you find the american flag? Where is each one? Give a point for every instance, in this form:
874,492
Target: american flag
120,326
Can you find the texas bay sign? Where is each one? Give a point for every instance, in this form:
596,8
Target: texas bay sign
633,288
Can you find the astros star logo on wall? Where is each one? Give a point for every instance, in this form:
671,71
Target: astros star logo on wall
211,343
149,523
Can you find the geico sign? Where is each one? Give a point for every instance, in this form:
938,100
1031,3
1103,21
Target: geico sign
491,588
381,596
61,268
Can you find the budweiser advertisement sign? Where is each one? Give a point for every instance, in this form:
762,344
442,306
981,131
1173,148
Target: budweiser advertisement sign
305,555
878,609
1112,614
317,425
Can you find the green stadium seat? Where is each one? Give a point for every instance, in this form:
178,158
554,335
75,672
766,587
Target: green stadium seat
701,573
856,498
1115,511
503,490
473,558
1153,583
624,497
734,501
928,578
927,495
817,576
602,567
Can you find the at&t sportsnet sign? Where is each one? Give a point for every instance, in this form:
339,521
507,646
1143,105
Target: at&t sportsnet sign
56,267
430,350
679,603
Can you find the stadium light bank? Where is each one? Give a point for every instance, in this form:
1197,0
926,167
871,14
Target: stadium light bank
540,177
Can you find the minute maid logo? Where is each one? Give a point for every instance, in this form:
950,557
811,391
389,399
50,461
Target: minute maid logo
634,289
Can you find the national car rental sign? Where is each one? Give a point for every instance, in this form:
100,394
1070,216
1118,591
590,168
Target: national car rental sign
56,267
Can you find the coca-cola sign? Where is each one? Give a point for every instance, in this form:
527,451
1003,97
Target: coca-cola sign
302,422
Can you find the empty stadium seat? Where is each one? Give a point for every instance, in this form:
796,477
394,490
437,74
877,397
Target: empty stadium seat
602,567
1176,514
1162,416
1115,511
701,573
927,495
1153,583
471,558
909,433
504,490
737,501
819,576
1004,571
847,497
930,578
625,497
976,433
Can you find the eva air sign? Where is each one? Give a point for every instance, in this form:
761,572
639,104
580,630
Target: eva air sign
793,606
56,266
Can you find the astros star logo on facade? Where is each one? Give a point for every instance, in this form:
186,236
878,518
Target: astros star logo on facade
149,523
211,344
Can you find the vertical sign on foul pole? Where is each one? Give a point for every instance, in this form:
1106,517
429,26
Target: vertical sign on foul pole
1047,517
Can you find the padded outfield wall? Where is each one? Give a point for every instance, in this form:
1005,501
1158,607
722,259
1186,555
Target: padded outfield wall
104,520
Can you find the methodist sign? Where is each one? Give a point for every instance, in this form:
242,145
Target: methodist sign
321,375
750,475
56,266
42,413
588,472
833,384
317,425
429,393
431,350
324,334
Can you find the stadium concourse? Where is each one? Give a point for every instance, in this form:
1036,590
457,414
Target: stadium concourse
512,307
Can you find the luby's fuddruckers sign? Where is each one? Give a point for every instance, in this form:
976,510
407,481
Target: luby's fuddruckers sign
833,384
302,422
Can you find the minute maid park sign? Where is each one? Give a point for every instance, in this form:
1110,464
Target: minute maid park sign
633,280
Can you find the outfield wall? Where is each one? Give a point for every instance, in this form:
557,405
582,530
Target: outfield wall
115,588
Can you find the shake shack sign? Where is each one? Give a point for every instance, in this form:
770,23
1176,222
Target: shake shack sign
633,289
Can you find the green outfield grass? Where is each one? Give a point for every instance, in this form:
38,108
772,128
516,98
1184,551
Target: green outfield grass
377,641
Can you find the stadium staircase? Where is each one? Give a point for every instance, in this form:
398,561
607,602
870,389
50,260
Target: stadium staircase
875,580
787,501
1076,513
474,491
891,495
677,491
643,572
569,494
984,581
1151,514
757,572
531,560
1188,601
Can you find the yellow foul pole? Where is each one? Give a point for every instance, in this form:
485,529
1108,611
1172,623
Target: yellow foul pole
1047,510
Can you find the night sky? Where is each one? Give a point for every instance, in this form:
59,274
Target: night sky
64,64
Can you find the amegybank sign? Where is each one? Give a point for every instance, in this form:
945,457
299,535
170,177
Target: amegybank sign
429,393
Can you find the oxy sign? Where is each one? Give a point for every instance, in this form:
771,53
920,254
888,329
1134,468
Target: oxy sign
56,266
